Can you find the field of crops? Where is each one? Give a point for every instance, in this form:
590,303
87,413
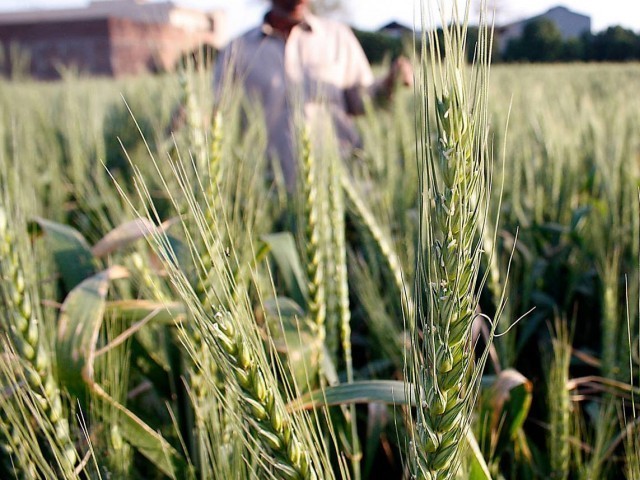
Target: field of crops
459,300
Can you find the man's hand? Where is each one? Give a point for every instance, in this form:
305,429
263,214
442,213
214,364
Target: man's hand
401,71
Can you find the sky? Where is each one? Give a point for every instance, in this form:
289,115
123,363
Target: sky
371,14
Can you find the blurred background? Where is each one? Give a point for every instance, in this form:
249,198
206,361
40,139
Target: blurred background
371,14
119,37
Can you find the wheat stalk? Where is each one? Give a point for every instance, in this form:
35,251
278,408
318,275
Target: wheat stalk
366,221
193,117
229,339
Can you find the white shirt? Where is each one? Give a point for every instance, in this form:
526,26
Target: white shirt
320,67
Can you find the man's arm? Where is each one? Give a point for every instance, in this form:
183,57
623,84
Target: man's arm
400,72
361,82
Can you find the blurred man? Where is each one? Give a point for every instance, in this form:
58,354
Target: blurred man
298,60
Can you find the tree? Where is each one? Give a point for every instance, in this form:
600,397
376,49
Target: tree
378,46
575,49
615,44
541,41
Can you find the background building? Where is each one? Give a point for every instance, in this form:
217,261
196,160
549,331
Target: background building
109,37
570,24
396,30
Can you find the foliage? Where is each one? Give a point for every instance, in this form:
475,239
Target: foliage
615,44
541,41
379,46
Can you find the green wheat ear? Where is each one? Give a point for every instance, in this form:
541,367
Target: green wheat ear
20,318
314,224
228,338
454,187
559,403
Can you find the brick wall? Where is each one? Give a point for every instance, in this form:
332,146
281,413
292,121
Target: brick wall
83,45
143,47
109,46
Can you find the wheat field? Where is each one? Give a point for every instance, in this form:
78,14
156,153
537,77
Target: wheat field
460,299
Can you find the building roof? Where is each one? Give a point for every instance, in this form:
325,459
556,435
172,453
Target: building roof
139,10
554,10
563,9
395,26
